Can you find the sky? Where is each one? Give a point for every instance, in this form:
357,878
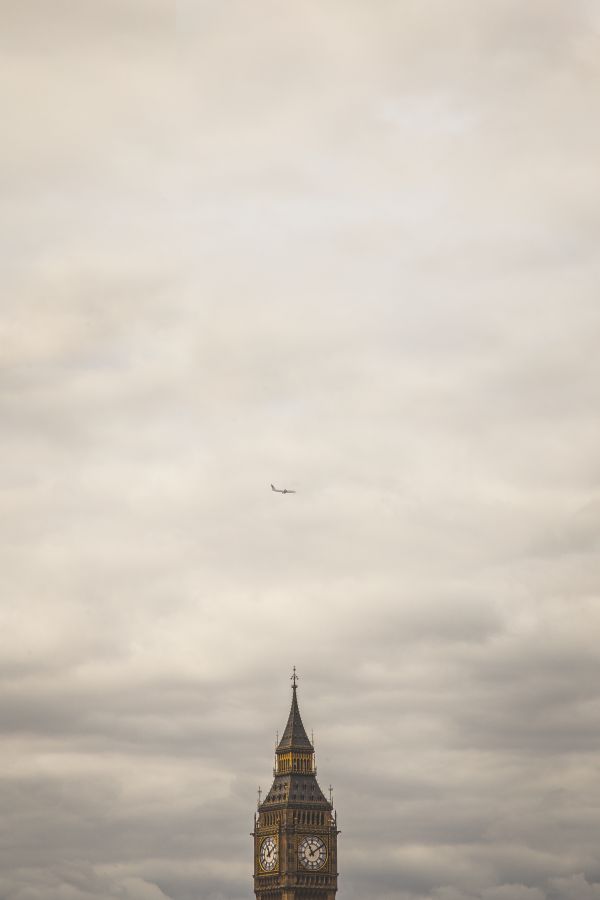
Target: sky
350,248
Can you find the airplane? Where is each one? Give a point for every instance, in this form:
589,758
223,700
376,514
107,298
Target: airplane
279,491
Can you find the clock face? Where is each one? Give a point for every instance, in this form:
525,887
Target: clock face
312,852
268,854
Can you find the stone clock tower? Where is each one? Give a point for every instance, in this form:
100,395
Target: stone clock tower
295,829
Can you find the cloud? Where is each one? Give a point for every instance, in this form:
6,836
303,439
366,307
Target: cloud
351,249
76,882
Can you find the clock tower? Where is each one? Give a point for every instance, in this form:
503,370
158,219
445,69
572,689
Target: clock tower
295,828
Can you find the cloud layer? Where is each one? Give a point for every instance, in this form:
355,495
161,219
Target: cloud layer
351,249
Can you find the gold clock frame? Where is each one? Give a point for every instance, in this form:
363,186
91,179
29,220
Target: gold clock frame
274,836
300,840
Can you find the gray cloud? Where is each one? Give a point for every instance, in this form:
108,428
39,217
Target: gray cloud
351,249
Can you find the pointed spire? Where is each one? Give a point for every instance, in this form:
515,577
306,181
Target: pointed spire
294,737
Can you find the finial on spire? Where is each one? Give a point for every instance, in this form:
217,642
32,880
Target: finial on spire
294,679
331,795
259,795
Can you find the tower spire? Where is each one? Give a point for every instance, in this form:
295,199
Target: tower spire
294,736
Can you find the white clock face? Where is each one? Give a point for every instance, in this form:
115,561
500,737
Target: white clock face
312,852
268,854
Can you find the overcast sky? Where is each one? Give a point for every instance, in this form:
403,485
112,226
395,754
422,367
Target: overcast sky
349,247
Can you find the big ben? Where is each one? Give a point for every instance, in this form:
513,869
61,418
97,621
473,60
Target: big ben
295,828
